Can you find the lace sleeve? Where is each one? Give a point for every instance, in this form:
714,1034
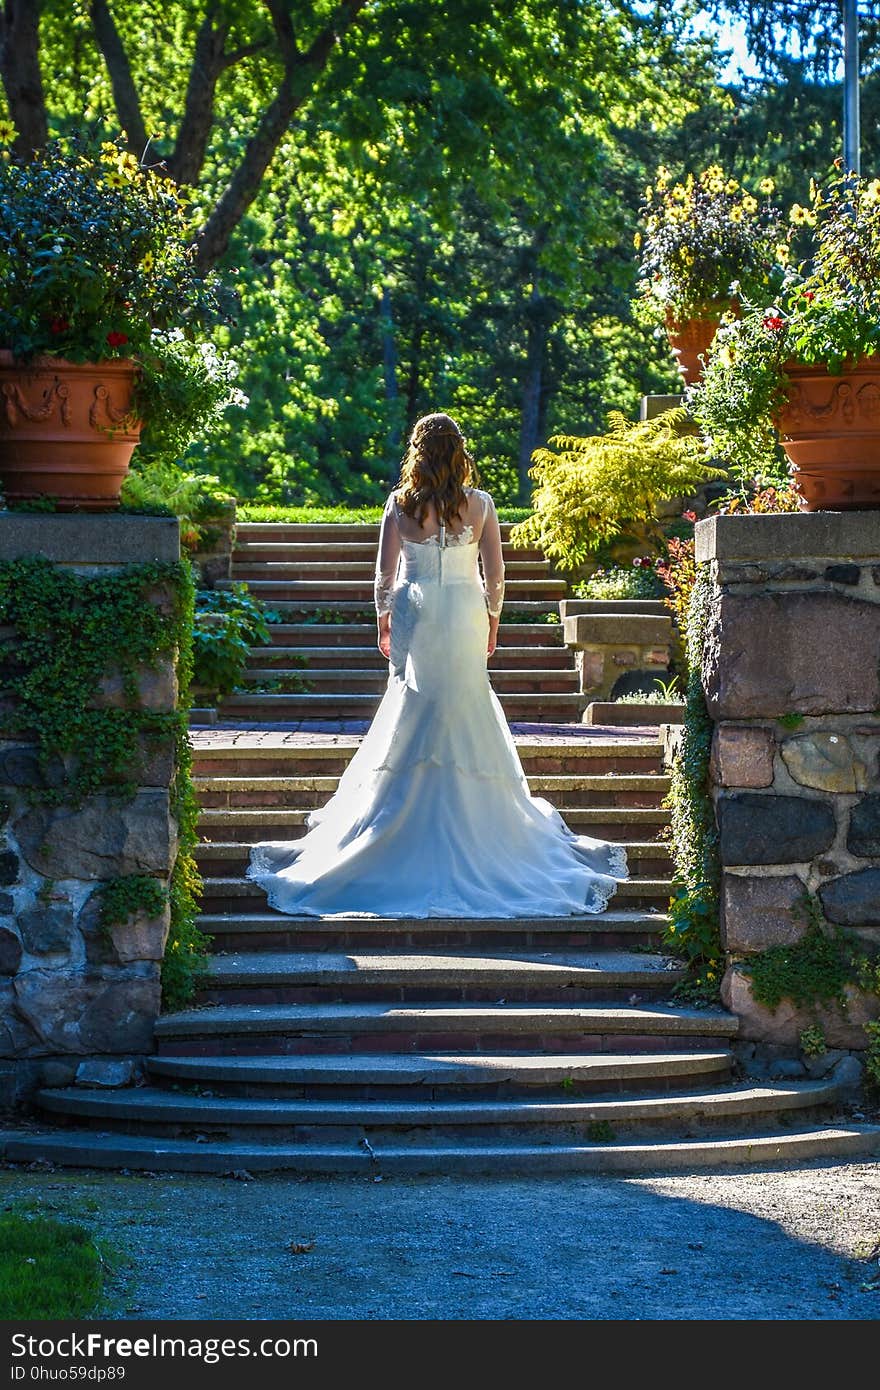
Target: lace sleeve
387,558
492,556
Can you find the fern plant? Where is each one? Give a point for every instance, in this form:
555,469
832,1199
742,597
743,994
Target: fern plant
593,489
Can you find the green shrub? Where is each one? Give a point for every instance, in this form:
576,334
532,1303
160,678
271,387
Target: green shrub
638,580
227,624
590,490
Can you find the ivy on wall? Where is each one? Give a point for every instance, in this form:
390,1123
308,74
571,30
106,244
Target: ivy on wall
68,632
693,931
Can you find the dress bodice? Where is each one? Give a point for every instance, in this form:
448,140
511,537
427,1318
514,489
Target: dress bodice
448,555
444,559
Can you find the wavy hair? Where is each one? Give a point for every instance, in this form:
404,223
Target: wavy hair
435,468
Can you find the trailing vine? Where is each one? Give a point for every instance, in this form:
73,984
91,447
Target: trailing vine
693,931
70,632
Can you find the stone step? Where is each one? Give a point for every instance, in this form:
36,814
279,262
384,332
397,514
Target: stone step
414,1121
544,706
306,659
478,975
303,552
647,859
327,591
643,790
248,931
377,1027
433,1074
232,894
331,568
85,1149
322,612
622,824
364,634
244,752
338,680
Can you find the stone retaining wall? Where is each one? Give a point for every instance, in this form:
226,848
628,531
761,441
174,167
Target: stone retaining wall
73,995
792,681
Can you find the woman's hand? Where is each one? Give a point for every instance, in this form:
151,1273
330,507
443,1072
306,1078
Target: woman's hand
493,634
384,642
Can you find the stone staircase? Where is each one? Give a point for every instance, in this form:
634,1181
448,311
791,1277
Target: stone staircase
428,1045
332,670
351,1044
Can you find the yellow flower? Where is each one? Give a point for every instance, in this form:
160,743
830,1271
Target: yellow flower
687,256
767,186
8,132
798,215
114,179
736,214
713,172
783,255
649,193
710,974
662,178
725,355
147,263
637,240
715,186
732,186
749,203
872,192
127,165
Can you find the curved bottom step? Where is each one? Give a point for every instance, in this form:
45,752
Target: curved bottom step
414,1121
87,1150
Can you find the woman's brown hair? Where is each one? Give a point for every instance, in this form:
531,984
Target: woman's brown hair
435,468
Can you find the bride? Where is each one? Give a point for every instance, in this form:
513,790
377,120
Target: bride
433,815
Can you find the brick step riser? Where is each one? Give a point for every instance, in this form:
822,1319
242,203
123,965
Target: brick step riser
284,801
326,533
274,709
381,992
402,1043
266,658
285,765
295,939
356,590
490,1090
416,1133
371,685
348,552
364,635
620,833
329,571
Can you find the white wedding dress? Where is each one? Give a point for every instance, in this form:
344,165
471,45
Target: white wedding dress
433,815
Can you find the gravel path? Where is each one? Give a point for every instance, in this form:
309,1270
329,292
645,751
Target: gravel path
750,1245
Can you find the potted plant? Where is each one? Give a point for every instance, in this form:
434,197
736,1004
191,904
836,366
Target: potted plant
804,371
102,323
706,241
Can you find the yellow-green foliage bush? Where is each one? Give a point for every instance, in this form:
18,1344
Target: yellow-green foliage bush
592,489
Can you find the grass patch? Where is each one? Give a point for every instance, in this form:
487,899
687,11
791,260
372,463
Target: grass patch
348,516
48,1268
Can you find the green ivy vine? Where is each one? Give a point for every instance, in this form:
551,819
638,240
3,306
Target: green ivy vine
67,632
693,930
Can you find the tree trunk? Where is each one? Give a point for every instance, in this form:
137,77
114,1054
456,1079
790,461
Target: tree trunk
21,75
533,399
392,388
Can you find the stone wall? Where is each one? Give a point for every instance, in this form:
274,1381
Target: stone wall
212,556
76,997
791,675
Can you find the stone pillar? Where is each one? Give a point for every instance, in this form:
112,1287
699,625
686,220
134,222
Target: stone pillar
791,674
212,555
76,998
617,652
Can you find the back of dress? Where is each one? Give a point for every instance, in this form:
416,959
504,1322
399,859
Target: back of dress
410,554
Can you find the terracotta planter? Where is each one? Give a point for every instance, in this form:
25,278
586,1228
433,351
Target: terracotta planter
67,430
830,430
690,339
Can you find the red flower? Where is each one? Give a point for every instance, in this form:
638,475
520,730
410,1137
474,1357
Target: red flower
116,339
809,296
59,325
773,322
688,516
